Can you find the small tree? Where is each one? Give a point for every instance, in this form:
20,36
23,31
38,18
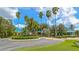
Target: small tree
72,29
77,32
61,30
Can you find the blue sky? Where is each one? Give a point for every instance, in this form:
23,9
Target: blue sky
77,14
70,15
33,12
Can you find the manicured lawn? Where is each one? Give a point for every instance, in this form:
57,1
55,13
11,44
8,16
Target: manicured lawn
67,45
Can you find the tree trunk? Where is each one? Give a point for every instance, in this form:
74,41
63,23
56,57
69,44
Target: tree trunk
55,27
18,25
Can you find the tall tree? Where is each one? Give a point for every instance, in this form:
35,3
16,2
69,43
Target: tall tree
48,14
32,25
26,20
40,15
18,16
54,11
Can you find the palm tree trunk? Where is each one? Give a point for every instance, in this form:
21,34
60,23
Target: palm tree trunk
41,29
48,24
64,25
55,27
18,26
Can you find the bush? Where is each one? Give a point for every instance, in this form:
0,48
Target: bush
25,37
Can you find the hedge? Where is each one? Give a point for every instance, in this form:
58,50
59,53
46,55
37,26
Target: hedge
66,36
25,37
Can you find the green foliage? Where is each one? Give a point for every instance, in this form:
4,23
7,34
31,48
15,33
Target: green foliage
48,13
25,31
18,14
55,10
25,37
47,32
26,20
66,36
61,30
6,28
77,32
32,25
40,14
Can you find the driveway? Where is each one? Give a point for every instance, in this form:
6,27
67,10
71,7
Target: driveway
9,45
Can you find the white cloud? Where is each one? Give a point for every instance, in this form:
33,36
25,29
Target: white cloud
74,20
59,21
38,9
65,13
20,25
68,11
41,9
68,16
8,12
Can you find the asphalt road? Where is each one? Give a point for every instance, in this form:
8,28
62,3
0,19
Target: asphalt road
11,45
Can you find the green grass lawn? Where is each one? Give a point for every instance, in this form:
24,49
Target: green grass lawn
67,45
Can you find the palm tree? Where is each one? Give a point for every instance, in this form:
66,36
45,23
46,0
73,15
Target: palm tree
36,27
26,20
31,25
48,14
18,16
54,11
40,16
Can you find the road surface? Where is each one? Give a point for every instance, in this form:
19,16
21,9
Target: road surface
10,45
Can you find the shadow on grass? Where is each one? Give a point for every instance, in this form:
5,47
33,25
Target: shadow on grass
75,44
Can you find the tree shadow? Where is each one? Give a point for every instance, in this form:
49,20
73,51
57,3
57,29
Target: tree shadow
75,44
